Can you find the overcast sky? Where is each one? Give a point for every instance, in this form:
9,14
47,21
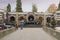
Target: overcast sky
42,5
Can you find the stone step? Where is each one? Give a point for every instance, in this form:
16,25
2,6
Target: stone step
33,26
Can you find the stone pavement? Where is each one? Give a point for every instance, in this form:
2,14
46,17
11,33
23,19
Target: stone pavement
29,34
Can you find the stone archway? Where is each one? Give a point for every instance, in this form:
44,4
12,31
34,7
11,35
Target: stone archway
40,19
48,19
31,18
12,18
21,18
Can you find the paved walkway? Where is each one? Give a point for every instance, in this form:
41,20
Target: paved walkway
29,34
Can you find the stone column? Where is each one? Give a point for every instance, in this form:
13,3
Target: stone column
17,19
44,20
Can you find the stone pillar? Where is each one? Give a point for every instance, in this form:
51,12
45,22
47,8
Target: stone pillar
17,19
3,18
44,20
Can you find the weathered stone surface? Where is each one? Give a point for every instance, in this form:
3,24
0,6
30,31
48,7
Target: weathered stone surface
29,34
52,32
6,32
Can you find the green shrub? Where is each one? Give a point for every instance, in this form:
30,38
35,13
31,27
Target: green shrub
53,23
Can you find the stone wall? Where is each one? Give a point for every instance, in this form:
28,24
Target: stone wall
52,32
6,32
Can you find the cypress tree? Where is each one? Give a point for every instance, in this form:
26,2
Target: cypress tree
18,6
34,8
8,8
53,23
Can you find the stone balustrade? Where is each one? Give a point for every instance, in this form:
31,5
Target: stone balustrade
6,31
52,32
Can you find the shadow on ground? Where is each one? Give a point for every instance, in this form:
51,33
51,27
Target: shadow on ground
32,26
